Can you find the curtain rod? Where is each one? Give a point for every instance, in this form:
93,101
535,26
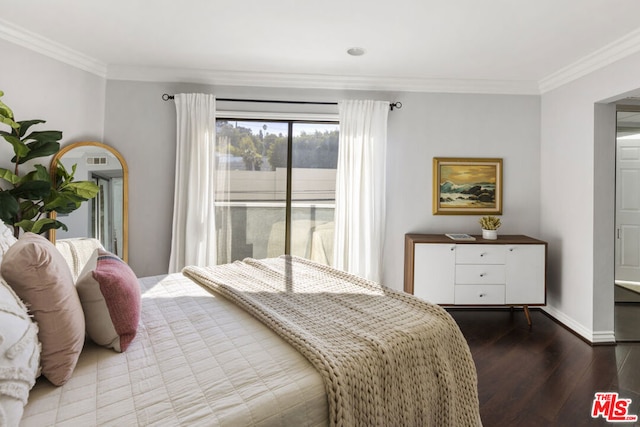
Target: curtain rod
167,97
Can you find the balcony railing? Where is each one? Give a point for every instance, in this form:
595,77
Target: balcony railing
256,229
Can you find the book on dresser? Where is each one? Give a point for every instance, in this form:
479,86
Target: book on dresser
460,236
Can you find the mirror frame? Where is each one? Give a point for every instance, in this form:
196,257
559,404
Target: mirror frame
125,189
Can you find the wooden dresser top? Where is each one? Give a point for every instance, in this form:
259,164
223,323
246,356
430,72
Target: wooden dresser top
504,239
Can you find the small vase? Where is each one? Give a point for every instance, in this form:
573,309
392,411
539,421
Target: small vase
489,234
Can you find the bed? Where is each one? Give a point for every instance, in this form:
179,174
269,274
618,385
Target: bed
204,355
197,360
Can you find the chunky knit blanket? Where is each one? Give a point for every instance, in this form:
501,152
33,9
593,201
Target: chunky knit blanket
386,357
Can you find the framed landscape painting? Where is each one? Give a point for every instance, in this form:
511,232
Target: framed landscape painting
467,186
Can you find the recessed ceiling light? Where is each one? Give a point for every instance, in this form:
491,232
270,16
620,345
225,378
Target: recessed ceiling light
356,51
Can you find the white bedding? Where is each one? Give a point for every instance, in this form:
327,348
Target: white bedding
197,360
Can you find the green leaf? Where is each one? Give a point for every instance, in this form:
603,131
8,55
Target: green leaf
32,190
46,226
43,173
9,176
61,174
39,149
62,202
26,124
6,115
39,174
9,207
43,136
7,121
85,189
28,209
19,148
26,225
41,225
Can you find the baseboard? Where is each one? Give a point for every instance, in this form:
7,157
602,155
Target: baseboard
590,336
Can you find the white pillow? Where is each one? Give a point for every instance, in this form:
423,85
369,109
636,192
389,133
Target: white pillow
40,276
19,356
110,295
6,238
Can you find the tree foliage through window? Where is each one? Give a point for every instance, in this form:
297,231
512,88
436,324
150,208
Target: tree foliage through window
268,151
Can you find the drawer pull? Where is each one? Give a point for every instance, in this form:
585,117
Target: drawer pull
482,274
482,254
482,295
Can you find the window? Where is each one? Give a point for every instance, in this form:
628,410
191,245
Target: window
276,189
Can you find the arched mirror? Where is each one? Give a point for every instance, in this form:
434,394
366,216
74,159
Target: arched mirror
104,217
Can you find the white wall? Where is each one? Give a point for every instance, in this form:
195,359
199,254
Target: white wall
577,187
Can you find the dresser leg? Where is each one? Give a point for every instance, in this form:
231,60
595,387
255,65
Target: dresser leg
527,315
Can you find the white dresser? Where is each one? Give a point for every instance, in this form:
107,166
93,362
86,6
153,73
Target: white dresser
507,271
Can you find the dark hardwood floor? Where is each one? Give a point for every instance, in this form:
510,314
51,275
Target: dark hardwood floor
546,375
627,314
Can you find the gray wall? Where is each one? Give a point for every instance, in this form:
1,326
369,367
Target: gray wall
38,87
453,125
577,203
142,127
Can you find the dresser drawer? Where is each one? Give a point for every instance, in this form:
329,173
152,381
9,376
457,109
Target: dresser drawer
479,294
489,274
481,254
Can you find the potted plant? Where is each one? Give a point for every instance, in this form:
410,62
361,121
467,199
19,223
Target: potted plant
490,225
26,199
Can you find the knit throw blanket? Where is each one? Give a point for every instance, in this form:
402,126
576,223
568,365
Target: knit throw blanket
386,357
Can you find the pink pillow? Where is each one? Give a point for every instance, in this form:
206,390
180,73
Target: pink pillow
110,296
40,276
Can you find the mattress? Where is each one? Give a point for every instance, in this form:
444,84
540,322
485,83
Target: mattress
197,360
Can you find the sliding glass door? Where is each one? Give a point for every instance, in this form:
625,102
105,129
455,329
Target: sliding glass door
313,190
275,189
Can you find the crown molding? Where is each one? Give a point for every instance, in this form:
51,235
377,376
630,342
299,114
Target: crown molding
37,43
619,49
320,81
607,55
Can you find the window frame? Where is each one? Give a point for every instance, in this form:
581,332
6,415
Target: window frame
290,119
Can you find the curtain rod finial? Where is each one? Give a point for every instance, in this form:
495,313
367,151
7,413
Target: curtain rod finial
396,104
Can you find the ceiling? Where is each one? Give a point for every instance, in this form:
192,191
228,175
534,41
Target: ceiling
519,46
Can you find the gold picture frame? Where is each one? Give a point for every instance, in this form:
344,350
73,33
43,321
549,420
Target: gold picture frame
467,186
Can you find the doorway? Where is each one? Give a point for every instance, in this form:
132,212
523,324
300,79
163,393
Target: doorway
627,220
105,225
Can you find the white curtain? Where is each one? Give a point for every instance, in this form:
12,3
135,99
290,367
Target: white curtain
193,233
360,188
